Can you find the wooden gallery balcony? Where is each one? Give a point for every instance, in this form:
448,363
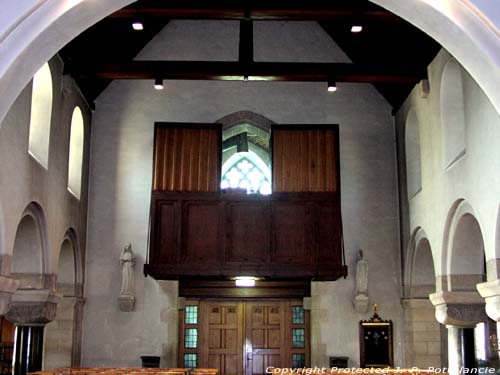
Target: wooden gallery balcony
200,231
219,235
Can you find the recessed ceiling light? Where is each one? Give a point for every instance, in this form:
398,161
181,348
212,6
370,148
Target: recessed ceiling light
356,28
138,26
159,84
332,86
245,281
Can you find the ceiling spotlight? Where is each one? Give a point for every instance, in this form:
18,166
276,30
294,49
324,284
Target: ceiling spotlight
159,84
138,26
356,28
245,281
332,86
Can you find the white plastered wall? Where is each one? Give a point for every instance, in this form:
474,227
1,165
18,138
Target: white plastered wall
475,177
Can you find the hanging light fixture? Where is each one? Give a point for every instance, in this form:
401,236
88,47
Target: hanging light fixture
159,84
332,86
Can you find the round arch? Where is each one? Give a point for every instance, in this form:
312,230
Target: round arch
69,265
459,26
463,248
30,254
420,276
413,155
452,113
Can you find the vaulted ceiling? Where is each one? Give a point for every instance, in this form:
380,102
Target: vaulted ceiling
389,52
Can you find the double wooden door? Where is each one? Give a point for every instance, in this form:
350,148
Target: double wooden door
244,337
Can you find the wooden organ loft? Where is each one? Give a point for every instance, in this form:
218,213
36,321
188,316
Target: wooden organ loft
199,231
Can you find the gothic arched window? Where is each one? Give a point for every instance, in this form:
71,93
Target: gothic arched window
245,170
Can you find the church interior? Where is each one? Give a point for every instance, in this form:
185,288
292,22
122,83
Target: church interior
246,185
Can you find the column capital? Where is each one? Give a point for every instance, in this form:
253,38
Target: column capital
33,307
459,309
8,286
490,291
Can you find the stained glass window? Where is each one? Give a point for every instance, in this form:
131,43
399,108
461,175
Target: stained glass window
191,315
190,360
245,174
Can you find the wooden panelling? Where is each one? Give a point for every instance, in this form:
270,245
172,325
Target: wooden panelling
201,232
293,232
305,159
215,235
248,231
187,157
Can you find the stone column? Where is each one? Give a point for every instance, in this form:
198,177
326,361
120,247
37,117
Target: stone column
460,312
30,310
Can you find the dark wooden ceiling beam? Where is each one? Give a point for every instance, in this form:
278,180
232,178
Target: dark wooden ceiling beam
255,71
256,10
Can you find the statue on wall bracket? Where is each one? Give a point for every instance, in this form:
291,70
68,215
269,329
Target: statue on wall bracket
126,300
361,300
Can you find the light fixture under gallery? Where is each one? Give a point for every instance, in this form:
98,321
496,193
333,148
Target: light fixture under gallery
159,84
245,281
332,86
138,26
356,28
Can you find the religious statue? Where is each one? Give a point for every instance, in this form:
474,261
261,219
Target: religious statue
361,274
126,300
361,299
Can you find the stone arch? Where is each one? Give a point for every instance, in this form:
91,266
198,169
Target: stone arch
463,29
452,113
420,274
69,268
463,248
413,155
30,260
257,127
68,320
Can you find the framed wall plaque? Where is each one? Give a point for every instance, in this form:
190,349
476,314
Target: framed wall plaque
375,342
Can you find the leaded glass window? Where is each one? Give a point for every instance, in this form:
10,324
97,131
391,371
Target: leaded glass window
298,360
190,360
298,338
245,174
191,315
297,315
190,338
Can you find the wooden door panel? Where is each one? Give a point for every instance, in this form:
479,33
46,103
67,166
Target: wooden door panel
222,331
246,337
